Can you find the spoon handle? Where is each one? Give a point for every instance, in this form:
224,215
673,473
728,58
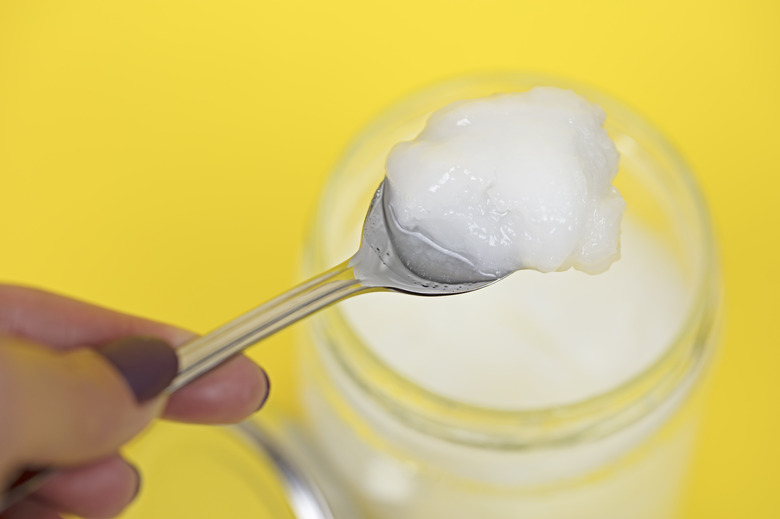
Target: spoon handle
205,353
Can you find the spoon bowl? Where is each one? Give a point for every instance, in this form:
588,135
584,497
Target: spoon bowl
395,258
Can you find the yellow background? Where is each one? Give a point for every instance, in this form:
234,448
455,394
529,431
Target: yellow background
163,157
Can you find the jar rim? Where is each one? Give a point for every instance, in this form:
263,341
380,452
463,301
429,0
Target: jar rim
589,418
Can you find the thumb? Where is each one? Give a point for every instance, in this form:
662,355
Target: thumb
63,408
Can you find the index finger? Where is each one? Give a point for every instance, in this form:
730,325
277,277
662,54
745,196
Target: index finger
227,394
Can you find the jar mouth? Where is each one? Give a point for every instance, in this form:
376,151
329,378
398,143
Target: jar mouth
586,419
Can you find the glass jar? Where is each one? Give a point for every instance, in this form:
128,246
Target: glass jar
401,442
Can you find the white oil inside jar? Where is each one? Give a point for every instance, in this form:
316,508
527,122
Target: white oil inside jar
533,340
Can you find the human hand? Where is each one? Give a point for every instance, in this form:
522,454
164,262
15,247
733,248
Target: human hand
64,404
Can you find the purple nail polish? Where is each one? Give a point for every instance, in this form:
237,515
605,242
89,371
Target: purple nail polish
267,390
147,364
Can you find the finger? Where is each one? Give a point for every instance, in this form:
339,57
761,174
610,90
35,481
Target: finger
29,509
99,490
226,395
239,386
65,323
68,408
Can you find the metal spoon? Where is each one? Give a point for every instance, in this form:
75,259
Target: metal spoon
389,258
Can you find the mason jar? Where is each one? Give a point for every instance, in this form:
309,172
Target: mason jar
547,396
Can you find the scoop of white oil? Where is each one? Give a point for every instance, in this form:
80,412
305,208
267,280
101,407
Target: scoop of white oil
503,183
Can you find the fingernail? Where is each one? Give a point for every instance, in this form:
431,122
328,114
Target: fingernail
147,364
267,390
138,481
